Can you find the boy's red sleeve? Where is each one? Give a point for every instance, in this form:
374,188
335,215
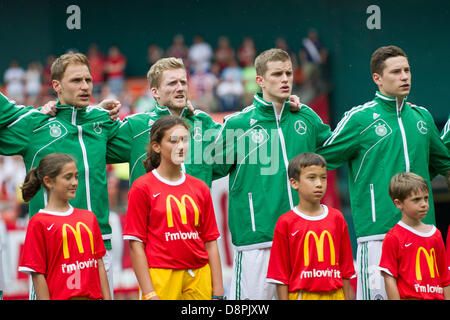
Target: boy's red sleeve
346,255
279,263
389,255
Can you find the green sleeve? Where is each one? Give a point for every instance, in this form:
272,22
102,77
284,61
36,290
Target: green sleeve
323,130
118,149
224,152
15,138
445,134
342,145
439,152
10,111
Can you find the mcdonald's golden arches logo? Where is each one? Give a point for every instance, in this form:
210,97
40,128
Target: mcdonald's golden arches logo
77,234
181,204
319,247
430,258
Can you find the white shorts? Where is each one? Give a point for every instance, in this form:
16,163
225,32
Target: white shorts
108,262
248,280
370,283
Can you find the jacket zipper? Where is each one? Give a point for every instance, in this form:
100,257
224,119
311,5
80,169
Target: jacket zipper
402,131
252,212
372,201
85,161
283,149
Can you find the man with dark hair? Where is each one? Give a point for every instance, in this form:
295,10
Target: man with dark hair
378,139
379,57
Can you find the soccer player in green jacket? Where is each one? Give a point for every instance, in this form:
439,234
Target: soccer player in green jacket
379,139
168,84
78,130
254,147
445,135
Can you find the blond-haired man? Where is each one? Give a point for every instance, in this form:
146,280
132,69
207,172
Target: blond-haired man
167,79
79,130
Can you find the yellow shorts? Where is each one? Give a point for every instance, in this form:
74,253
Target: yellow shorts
183,284
307,295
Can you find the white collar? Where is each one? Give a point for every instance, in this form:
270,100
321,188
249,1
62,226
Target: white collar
312,218
420,234
170,183
58,213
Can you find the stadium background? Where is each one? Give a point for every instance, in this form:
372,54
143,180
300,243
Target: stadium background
31,31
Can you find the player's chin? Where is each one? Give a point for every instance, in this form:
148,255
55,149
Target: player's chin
179,103
283,95
82,103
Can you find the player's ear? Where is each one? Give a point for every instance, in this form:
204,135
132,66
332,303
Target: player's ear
259,81
376,78
56,86
154,92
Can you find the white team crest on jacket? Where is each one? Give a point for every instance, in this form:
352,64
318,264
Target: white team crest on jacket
97,126
422,127
381,130
55,130
257,136
197,134
300,127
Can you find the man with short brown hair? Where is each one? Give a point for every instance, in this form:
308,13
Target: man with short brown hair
378,139
254,147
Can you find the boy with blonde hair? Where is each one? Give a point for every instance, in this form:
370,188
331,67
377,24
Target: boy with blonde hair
311,257
413,259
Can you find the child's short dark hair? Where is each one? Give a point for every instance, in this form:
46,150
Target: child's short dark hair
304,160
404,184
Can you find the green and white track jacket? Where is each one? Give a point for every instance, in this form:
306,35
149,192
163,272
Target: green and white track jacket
254,147
378,140
445,135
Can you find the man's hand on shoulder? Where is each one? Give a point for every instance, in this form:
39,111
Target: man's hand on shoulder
49,108
113,106
294,102
190,106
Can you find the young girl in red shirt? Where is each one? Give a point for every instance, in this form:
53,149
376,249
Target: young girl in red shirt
171,223
63,246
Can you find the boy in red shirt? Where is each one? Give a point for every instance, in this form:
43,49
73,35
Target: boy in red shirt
413,259
311,256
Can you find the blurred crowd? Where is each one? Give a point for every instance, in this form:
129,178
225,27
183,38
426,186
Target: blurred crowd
221,79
